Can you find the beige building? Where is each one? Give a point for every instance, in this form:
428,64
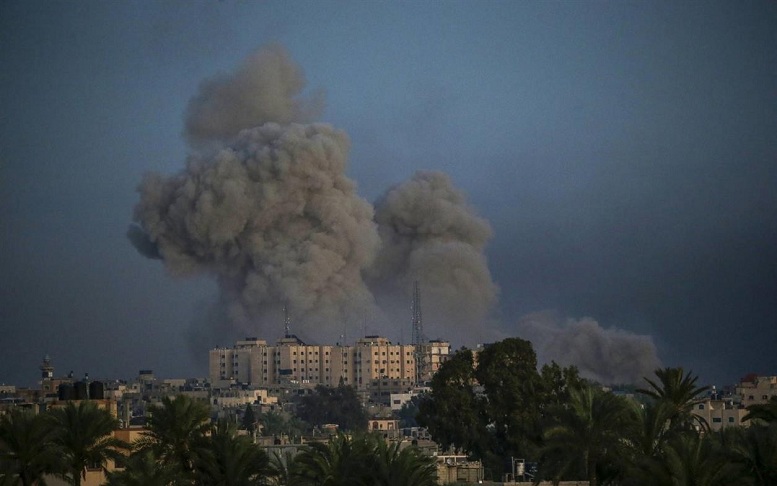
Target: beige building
758,390
372,359
432,355
720,413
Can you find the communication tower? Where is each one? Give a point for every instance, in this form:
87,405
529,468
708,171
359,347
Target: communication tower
286,321
418,332
417,321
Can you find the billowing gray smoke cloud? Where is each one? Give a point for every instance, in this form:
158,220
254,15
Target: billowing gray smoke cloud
274,218
609,356
271,214
267,87
431,234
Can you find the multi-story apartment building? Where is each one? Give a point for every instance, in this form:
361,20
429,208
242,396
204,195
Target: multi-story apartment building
370,360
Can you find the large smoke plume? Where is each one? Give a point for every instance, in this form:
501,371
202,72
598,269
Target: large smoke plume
263,205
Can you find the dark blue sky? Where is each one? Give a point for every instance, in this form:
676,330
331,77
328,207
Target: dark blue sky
625,154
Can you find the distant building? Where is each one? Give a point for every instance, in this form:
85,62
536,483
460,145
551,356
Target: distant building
373,363
720,413
755,390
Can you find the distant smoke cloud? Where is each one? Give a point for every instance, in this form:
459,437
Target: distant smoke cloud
431,234
608,356
267,87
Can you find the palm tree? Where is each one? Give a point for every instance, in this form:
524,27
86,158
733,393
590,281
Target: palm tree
651,430
397,466
83,433
752,452
143,469
230,459
691,459
589,434
176,429
342,461
678,389
765,412
27,449
282,470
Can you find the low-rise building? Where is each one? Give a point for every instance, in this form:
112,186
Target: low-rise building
756,390
719,413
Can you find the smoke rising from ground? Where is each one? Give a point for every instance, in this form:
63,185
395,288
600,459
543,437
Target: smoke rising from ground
263,205
431,234
609,356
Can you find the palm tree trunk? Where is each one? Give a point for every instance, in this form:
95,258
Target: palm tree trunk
591,465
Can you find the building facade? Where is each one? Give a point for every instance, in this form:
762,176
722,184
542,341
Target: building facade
371,360
720,413
757,390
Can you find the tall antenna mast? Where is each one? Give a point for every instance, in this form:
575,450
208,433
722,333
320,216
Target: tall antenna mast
418,333
417,321
286,320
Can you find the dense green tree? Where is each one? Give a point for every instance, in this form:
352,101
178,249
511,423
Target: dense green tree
339,405
83,434
249,420
27,449
557,381
409,411
452,412
229,459
507,370
176,430
589,435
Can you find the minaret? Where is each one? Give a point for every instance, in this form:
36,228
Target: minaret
46,370
47,375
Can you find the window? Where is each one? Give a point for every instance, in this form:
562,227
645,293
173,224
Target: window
731,420
716,420
701,406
